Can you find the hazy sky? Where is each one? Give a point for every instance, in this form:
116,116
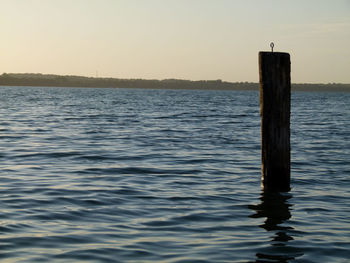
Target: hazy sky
187,39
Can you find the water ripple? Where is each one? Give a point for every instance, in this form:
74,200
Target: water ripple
118,175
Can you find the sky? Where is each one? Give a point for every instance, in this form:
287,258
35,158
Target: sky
182,39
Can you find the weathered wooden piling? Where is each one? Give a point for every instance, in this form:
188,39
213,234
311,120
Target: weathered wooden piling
275,89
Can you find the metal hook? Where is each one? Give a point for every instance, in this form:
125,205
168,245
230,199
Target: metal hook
272,46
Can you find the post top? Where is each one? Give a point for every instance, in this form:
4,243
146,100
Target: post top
265,53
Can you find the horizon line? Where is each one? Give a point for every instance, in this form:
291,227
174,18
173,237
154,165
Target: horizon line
154,79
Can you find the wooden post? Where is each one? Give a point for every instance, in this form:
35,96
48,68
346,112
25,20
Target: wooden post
274,73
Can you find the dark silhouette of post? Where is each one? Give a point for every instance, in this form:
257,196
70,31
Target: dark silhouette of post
275,89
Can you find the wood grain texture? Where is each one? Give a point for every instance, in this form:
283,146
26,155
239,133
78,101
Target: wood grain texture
275,90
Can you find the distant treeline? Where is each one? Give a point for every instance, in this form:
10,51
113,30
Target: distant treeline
48,80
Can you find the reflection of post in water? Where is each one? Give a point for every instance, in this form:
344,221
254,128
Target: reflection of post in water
275,208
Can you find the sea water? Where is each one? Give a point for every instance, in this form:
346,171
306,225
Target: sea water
136,175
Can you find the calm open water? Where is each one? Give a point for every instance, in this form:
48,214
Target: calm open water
131,175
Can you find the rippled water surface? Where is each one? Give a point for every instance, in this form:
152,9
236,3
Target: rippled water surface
128,175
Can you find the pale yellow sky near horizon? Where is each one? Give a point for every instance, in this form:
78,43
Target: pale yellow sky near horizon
184,39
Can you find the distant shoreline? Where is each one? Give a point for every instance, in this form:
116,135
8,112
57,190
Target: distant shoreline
49,80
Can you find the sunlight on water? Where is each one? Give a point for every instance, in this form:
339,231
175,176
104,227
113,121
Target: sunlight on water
122,175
